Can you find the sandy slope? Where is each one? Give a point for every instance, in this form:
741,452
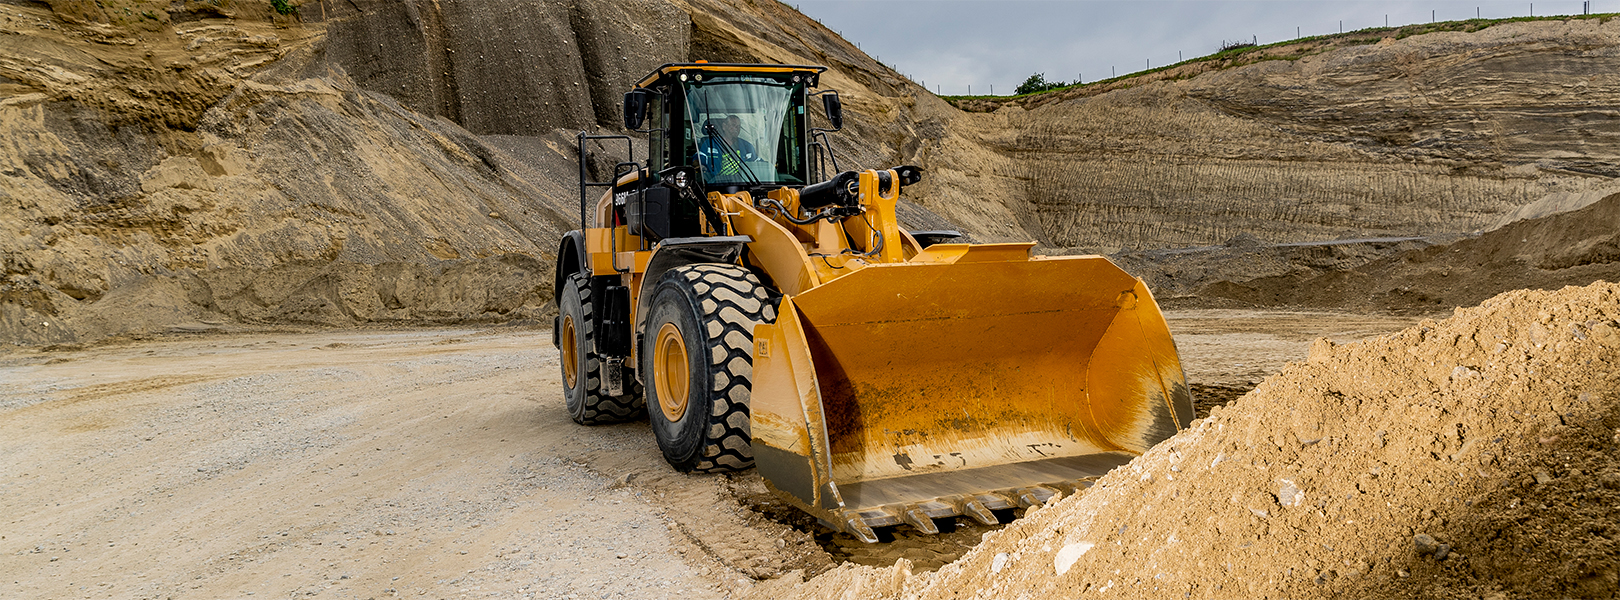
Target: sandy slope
1477,456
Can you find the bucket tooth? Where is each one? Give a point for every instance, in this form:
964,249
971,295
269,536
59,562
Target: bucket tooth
915,517
1068,488
972,507
1034,495
997,501
940,508
881,516
856,526
1026,498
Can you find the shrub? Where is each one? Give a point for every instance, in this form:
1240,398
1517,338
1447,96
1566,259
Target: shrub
1036,84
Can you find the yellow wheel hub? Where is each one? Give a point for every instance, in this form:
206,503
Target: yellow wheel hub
570,353
671,374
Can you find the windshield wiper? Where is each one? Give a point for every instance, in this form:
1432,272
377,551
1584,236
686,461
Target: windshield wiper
714,135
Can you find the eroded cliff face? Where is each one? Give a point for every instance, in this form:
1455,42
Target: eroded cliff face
198,164
513,68
1446,132
212,169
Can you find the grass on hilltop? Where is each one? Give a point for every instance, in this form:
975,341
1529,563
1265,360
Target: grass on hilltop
1237,55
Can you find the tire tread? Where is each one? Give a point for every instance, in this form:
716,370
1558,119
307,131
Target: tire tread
734,302
598,408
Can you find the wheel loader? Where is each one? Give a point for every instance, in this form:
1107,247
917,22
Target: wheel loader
763,311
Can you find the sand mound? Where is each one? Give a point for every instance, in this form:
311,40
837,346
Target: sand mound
1182,273
1471,457
1573,248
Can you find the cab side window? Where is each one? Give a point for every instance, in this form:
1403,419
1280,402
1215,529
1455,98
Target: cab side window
656,142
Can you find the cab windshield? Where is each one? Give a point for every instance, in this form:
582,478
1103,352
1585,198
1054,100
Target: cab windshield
747,130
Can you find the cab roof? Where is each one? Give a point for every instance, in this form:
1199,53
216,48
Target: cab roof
673,68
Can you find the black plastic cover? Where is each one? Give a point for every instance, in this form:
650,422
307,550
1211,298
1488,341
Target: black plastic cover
648,214
615,338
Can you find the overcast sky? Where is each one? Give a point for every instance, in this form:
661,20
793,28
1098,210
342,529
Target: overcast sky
951,44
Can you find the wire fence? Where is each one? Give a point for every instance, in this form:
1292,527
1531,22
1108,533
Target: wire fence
988,89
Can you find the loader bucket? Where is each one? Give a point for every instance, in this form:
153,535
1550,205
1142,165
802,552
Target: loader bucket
970,379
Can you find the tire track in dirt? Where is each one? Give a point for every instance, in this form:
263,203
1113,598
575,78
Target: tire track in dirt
368,464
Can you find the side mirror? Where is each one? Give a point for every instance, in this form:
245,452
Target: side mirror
834,108
635,108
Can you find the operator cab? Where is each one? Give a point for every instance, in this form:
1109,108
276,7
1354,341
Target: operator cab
716,128
739,127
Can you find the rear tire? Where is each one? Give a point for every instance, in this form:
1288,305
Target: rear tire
582,368
697,360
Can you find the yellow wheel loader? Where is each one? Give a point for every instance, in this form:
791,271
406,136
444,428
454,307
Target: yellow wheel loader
763,314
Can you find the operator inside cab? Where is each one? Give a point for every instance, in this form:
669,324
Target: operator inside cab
722,151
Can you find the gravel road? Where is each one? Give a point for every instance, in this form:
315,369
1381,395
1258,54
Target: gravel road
339,464
434,463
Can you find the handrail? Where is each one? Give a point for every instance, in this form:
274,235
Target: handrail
584,174
586,183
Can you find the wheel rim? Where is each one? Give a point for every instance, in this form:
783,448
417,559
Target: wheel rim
570,353
670,372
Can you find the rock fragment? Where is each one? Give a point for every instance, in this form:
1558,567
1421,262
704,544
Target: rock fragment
1610,480
1289,493
1067,556
999,562
1425,544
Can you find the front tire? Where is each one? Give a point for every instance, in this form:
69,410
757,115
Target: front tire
697,363
581,367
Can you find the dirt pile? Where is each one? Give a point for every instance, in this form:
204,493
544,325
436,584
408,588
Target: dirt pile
1178,274
1573,248
1478,456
